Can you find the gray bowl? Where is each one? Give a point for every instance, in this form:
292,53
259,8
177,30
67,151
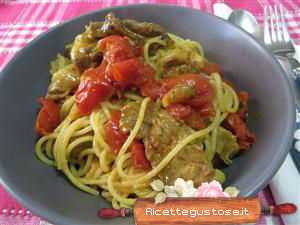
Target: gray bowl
244,61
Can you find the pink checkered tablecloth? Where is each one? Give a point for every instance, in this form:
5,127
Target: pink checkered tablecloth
23,20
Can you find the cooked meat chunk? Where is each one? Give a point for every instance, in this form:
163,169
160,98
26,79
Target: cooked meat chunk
160,133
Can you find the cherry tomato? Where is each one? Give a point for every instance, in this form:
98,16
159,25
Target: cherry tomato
138,156
204,91
113,135
125,72
116,48
48,117
92,89
200,82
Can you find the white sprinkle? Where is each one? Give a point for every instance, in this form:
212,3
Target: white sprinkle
297,134
12,212
28,212
297,146
20,212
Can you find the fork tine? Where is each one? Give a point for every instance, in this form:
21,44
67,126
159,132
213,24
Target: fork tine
273,34
267,37
278,25
286,35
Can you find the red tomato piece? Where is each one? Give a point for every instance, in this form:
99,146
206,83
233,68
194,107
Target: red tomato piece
187,114
105,43
237,126
200,82
116,48
206,110
48,117
201,100
138,156
147,84
125,72
204,97
92,89
210,68
152,89
146,75
113,135
243,96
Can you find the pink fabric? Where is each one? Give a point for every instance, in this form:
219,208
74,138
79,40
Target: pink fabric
23,20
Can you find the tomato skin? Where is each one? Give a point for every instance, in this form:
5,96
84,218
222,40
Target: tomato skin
138,156
116,138
92,89
125,72
187,114
210,68
116,48
113,135
152,89
237,126
202,102
206,110
243,96
200,83
147,84
48,117
146,75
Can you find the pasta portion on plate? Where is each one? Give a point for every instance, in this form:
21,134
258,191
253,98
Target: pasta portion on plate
129,103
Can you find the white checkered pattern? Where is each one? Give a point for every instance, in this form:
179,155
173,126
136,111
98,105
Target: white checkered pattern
15,36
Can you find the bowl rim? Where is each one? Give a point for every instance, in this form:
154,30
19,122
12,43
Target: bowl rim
269,171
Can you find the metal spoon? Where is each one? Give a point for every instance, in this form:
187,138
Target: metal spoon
246,21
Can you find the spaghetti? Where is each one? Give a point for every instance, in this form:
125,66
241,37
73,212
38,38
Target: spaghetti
80,146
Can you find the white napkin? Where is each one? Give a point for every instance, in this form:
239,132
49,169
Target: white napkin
285,185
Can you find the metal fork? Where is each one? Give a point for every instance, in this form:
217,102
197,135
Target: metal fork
276,35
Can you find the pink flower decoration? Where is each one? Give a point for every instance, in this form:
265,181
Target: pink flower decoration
211,190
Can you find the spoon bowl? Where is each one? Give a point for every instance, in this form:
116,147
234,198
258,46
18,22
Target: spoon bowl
246,21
